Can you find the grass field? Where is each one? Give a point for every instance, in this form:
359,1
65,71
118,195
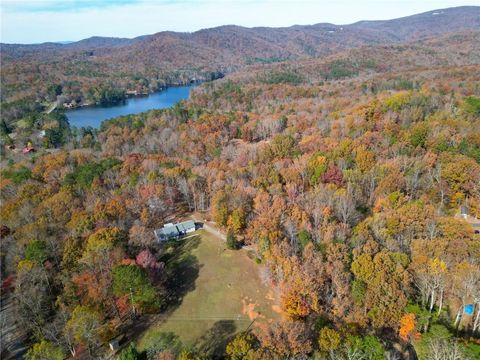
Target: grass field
219,292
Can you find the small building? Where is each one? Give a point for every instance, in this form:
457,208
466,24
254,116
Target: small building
69,105
28,150
472,220
476,227
117,343
114,345
174,231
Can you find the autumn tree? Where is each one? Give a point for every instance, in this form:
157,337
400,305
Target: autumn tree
386,282
36,251
129,353
33,293
133,281
154,268
140,235
407,326
232,242
333,175
100,245
240,347
265,227
317,166
304,284
364,159
431,280
286,339
45,350
329,340
85,326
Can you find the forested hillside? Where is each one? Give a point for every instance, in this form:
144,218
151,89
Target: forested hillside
103,70
353,178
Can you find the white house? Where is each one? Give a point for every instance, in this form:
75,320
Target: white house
174,231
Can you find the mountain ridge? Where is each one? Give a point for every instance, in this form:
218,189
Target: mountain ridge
241,43
361,23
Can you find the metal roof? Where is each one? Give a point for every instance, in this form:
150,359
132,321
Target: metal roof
186,225
173,230
167,231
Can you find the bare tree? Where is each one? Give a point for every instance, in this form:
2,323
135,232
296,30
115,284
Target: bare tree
346,206
291,232
443,349
187,194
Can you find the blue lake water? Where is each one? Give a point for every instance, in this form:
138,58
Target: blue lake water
94,115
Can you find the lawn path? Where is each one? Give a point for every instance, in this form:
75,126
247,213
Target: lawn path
210,227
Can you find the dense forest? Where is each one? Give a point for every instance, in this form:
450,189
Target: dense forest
355,178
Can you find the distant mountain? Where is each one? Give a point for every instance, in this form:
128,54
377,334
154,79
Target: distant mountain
428,24
236,44
96,42
152,61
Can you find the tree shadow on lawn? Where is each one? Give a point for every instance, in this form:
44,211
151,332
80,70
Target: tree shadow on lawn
215,340
182,270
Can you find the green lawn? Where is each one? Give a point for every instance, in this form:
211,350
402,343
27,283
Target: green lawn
218,292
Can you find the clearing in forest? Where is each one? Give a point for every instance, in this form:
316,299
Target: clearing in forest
218,291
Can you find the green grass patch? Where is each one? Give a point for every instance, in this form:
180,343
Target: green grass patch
214,290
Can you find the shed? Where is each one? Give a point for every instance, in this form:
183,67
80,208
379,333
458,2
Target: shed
117,342
114,345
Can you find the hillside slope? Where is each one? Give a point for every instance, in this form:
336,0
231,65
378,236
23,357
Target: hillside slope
102,69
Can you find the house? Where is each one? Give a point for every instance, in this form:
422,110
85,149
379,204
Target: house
174,231
472,220
69,105
28,150
169,231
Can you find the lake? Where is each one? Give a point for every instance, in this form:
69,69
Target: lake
94,115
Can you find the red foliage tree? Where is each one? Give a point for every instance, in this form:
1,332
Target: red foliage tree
333,175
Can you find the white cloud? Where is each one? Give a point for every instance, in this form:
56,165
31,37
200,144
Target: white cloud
147,17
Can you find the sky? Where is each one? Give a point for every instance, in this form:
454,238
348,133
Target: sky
36,21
